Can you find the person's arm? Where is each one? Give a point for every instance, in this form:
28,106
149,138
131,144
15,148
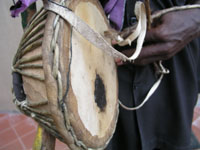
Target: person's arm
169,36
194,2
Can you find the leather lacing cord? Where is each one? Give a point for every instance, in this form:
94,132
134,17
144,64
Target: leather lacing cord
162,72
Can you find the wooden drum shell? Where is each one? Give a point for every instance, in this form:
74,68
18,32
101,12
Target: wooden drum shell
78,83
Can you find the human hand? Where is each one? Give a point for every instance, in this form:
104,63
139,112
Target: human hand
168,36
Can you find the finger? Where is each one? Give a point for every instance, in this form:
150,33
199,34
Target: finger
152,59
118,62
160,49
113,42
146,61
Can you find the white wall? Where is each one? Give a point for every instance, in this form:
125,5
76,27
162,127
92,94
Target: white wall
10,34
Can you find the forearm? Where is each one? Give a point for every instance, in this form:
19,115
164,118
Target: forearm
197,2
196,20
194,2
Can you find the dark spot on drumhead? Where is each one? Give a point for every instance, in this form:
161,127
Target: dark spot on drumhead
99,93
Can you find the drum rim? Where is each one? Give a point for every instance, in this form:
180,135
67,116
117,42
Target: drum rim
104,142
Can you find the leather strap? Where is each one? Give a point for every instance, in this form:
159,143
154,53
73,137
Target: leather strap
80,26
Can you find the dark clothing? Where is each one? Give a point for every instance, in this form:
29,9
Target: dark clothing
164,122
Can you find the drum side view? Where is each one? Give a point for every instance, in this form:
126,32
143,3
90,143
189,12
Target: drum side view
27,69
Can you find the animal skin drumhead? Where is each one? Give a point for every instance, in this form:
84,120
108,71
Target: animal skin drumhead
83,92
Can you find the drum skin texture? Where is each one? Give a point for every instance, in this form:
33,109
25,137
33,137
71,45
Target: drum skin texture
70,85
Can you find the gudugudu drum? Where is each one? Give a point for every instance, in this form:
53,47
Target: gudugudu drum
63,81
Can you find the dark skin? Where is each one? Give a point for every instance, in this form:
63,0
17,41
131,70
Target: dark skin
168,36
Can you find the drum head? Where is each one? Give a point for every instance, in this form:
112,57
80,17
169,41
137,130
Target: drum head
83,94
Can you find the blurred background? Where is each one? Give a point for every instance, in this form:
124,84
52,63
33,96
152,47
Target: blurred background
10,34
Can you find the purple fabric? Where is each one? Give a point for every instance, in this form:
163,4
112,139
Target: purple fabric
109,6
115,10
20,6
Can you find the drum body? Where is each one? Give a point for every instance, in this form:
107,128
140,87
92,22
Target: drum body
70,85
